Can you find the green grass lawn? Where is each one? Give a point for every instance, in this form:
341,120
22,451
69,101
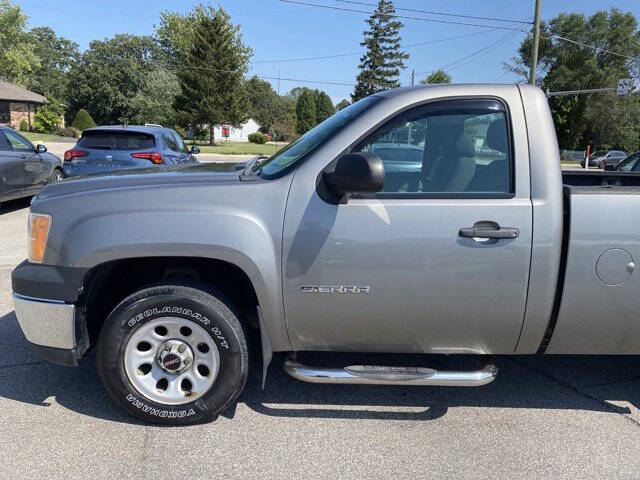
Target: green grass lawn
240,148
46,137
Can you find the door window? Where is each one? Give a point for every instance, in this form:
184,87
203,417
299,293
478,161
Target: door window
446,148
4,144
181,147
17,142
170,142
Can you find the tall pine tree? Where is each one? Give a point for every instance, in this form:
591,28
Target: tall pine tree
211,83
380,65
306,111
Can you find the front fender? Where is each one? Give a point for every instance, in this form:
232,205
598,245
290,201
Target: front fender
236,237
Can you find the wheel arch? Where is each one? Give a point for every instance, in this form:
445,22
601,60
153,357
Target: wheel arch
107,283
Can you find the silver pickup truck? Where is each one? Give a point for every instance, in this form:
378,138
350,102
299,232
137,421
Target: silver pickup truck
426,220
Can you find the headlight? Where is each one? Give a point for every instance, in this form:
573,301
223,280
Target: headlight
39,224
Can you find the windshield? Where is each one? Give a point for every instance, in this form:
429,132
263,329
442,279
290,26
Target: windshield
295,151
629,163
599,153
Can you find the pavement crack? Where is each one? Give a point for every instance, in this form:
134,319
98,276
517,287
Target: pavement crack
563,383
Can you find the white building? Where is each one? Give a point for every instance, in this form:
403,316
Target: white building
241,134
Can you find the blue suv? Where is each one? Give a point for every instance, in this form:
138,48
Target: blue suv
112,148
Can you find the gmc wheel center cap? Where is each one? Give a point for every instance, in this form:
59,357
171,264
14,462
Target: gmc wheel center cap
174,356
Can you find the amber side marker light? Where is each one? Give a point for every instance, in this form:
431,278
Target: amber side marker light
39,224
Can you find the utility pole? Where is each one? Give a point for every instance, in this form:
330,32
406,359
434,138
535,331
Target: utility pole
536,41
413,77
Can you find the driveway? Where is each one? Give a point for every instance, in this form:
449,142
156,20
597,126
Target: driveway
553,417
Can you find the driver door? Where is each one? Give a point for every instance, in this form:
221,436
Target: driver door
393,272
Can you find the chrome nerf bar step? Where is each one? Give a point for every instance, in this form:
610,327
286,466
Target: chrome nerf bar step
381,375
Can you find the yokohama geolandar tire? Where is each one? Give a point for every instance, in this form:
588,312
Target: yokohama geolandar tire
173,354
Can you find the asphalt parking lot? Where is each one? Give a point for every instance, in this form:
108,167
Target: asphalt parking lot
555,417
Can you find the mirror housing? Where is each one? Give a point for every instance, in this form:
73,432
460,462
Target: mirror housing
195,150
40,148
360,172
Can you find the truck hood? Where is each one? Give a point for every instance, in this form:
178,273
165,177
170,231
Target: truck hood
142,177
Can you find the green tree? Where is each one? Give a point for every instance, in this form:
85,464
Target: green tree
306,115
83,120
262,102
176,33
18,60
57,55
212,80
381,64
439,76
324,106
110,74
153,103
603,120
344,103
48,117
285,125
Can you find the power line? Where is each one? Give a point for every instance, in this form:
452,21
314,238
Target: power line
592,47
80,12
460,62
430,42
438,13
450,22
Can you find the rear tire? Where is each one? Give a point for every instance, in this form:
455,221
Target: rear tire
603,165
134,356
56,176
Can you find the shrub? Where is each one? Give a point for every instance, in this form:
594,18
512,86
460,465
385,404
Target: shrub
68,132
83,120
257,137
48,117
24,125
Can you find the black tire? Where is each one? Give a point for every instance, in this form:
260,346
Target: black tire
56,176
200,304
603,165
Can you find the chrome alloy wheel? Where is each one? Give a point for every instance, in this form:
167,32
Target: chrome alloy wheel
171,360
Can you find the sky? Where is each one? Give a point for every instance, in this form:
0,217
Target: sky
278,31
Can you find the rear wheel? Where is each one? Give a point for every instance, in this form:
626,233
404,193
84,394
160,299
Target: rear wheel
173,354
56,176
603,164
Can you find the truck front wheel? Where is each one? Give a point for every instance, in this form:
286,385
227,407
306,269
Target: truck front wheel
173,354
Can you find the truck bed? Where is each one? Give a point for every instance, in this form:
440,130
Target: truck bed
598,302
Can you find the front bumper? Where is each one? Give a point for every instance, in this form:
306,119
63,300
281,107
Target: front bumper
45,298
49,326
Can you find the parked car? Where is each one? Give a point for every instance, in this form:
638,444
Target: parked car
630,164
24,168
602,158
167,271
112,148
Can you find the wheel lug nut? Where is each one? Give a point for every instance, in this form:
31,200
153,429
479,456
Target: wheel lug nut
167,347
181,348
186,361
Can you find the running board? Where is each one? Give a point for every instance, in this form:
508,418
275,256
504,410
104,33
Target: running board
380,375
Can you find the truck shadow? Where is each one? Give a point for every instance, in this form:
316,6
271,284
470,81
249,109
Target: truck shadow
13,205
587,383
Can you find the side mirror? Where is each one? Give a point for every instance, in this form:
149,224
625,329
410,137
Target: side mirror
195,150
609,168
41,148
361,172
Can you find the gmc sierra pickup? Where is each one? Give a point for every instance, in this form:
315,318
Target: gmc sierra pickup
420,220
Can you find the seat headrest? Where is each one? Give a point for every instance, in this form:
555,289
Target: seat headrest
497,136
464,146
